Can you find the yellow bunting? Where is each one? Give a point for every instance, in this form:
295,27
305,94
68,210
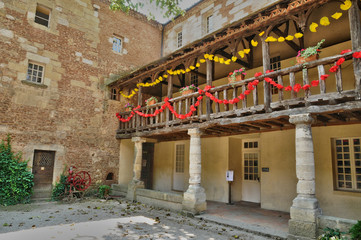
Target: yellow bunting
211,57
183,71
298,35
246,51
271,39
313,27
165,75
324,21
188,70
206,56
261,34
178,72
337,15
289,38
198,65
281,39
202,60
346,5
136,89
227,62
221,60
254,43
234,58
160,78
216,59
241,53
192,67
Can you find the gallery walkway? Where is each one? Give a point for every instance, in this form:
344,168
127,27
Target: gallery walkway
248,217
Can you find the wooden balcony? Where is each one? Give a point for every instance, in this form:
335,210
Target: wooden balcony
335,100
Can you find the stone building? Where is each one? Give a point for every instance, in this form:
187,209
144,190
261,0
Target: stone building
290,138
56,56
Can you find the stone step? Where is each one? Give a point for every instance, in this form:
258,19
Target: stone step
118,190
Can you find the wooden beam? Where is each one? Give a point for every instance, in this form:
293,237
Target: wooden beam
355,29
229,56
199,74
337,117
210,76
266,66
174,85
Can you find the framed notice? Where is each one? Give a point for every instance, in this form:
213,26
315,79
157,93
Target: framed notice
229,175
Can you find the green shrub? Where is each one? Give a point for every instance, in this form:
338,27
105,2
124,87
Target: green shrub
103,191
59,188
355,231
331,234
16,180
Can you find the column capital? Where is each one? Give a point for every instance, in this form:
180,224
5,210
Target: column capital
305,118
194,132
138,139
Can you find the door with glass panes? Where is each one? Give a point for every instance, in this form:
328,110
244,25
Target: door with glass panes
251,185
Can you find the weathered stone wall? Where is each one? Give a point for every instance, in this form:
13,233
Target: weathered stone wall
193,24
70,112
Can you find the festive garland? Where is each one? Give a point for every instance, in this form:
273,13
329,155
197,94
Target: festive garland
250,86
324,21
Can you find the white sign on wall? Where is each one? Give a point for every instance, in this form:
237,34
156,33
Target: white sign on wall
229,175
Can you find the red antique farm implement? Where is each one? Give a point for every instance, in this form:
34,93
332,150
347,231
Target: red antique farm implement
77,183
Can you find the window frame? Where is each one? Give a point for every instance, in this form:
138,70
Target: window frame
114,94
41,9
120,46
251,150
177,161
179,39
275,63
30,77
194,79
353,165
209,24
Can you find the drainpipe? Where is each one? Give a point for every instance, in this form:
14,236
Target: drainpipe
161,42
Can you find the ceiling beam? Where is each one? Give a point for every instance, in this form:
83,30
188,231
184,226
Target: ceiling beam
293,45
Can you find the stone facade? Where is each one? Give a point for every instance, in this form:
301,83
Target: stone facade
70,111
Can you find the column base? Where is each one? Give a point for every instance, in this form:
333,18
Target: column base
194,200
132,188
303,223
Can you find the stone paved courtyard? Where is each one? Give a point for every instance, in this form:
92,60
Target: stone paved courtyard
112,219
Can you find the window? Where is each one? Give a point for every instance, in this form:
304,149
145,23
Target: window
35,73
275,65
347,163
209,24
179,158
179,39
250,161
194,79
114,94
42,15
117,45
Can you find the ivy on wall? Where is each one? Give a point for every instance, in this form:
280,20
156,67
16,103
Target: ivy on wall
16,179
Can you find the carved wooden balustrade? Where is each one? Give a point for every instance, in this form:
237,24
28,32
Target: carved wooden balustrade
255,103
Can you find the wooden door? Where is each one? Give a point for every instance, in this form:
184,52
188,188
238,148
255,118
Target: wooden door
178,173
43,167
147,165
251,186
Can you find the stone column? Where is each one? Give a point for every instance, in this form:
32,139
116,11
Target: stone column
305,208
137,169
194,199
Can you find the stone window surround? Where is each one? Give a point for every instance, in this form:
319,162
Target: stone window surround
121,39
42,8
179,39
34,63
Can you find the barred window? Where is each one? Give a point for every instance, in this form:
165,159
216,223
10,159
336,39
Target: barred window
35,73
179,161
42,15
179,39
250,161
347,163
194,79
114,94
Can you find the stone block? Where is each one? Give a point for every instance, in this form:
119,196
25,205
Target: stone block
132,188
302,229
7,33
194,199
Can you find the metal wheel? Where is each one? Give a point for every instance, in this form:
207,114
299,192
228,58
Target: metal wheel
81,181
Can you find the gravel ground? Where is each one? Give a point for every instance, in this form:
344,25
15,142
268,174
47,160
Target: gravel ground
168,225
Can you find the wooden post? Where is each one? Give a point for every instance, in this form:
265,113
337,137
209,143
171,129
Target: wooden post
355,29
140,100
209,82
266,66
169,95
306,81
321,71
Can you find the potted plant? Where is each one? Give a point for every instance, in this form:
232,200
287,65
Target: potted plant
188,89
237,75
128,107
309,54
151,101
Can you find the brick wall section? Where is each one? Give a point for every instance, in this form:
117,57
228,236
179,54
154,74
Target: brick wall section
70,113
193,24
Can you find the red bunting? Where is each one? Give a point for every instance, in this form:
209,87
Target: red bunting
315,83
297,87
340,61
357,55
257,74
324,77
333,68
345,51
288,88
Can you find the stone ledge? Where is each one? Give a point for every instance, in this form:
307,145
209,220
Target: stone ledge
168,197
38,85
334,222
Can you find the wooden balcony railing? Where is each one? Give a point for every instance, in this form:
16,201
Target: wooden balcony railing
327,92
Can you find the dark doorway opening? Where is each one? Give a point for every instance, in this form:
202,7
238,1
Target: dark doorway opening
147,165
43,167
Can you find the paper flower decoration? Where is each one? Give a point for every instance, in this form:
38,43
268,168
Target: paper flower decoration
254,43
246,51
337,15
281,39
234,59
324,21
289,38
241,53
298,35
261,34
313,27
271,39
346,5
